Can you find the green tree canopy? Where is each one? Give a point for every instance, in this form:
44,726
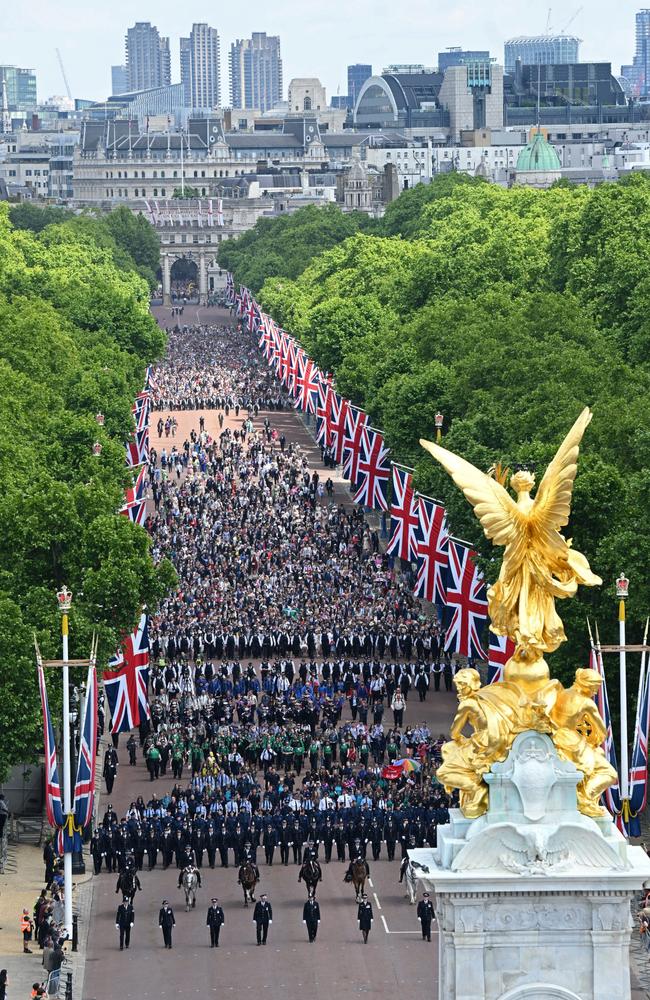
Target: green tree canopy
508,311
75,338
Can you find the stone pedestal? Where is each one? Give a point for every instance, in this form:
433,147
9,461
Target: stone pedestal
533,899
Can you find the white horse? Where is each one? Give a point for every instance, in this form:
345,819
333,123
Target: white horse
190,883
408,875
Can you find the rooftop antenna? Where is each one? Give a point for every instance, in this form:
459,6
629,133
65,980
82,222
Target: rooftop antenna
6,117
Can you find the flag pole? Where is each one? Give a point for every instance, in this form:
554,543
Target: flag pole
64,598
622,585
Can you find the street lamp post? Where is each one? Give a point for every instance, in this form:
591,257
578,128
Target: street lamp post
64,597
622,586
438,419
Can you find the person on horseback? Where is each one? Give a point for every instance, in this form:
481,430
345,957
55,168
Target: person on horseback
128,882
189,869
357,860
311,872
247,861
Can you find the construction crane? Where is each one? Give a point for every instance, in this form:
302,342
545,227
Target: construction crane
65,79
571,20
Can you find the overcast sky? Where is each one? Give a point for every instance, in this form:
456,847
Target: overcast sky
318,39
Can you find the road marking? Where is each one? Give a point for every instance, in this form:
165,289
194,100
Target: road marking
377,900
370,882
395,932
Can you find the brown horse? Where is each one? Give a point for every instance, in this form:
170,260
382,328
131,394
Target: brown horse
248,879
311,874
359,872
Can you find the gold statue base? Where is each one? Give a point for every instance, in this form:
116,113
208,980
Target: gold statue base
528,699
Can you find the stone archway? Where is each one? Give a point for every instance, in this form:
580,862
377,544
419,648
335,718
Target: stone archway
198,256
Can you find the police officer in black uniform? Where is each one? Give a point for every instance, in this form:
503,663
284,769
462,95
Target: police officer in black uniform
166,921
311,917
426,915
215,921
124,920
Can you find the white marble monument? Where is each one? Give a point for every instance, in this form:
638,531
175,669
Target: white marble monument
533,898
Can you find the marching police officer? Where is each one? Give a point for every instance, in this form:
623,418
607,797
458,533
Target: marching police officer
263,917
311,917
166,921
426,914
124,921
364,916
215,922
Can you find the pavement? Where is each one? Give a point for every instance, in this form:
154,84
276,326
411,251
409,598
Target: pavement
20,887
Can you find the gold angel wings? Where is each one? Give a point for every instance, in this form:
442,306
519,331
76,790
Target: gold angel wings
538,563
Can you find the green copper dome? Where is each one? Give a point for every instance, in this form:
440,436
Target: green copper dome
538,155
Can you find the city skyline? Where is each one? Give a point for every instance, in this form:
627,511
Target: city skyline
91,40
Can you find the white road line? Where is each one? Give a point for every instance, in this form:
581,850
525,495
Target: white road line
370,882
377,900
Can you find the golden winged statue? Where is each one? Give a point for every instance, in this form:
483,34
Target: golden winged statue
539,564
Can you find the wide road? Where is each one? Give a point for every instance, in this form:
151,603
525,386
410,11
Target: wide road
338,966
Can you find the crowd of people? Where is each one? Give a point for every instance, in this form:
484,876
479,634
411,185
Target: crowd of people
283,665
286,669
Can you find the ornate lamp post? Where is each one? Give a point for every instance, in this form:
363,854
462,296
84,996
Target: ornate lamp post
97,449
622,587
100,418
64,598
439,419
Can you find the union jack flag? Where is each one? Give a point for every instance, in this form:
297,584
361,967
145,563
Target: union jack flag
500,650
139,489
374,471
283,357
253,314
431,538
230,289
137,451
404,518
326,403
355,421
294,354
84,788
127,682
140,410
265,335
338,416
53,806
150,384
136,512
612,795
306,386
638,780
466,595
